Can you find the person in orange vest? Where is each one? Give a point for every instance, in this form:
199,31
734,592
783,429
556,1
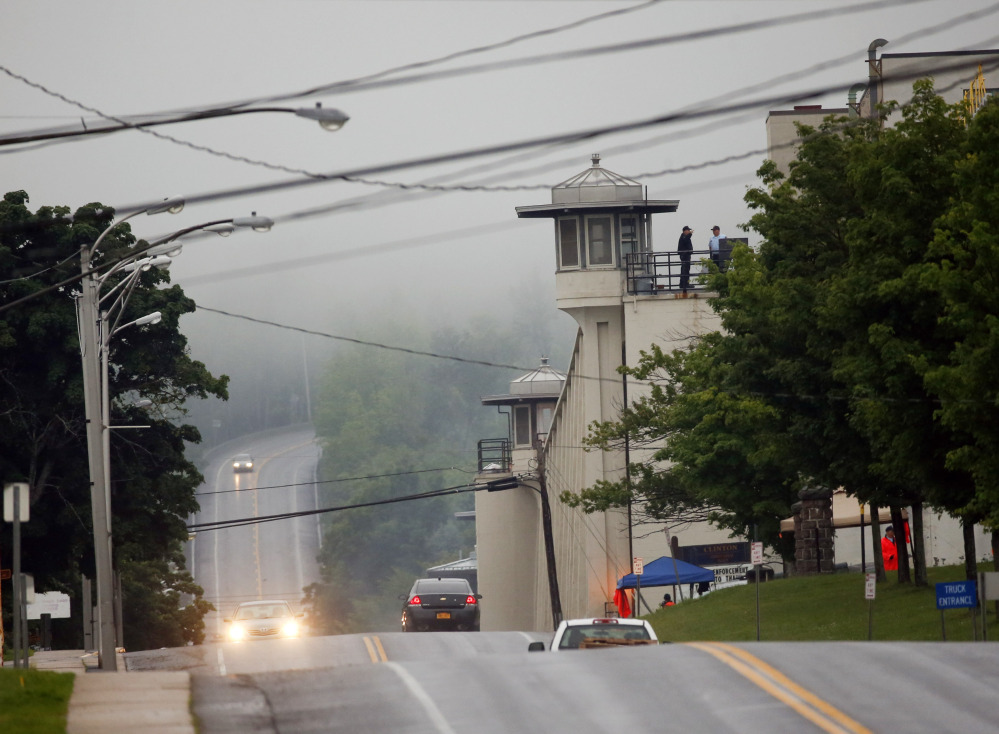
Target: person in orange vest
888,550
667,601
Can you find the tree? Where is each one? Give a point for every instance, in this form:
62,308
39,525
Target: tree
42,437
963,267
837,332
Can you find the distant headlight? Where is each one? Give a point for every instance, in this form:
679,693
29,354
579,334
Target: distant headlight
237,632
290,629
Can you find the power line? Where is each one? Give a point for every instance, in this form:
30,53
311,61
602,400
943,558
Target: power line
371,80
363,342
367,83
233,107
531,143
330,481
523,145
379,79
244,521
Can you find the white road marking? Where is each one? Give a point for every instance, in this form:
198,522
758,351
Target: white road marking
298,545
221,661
215,552
424,700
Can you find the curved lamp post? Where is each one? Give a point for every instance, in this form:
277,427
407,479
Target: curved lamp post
97,325
329,118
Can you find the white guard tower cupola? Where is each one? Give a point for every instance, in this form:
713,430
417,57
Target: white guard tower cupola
602,219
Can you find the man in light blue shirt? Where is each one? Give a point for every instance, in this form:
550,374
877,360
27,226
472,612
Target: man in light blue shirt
715,247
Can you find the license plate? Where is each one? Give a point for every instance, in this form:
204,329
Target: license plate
443,615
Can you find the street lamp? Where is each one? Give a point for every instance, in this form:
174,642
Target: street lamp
95,331
329,118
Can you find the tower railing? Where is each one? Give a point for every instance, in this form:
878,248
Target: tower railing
658,272
494,455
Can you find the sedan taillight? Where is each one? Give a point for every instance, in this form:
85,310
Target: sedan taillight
470,599
415,601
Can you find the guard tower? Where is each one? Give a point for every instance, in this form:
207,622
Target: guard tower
603,239
508,531
624,295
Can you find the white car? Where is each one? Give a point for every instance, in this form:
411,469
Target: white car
573,634
242,462
260,620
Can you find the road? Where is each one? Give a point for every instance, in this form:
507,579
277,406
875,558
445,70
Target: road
450,683
272,560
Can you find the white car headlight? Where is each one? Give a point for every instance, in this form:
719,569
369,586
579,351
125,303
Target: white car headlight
237,632
290,629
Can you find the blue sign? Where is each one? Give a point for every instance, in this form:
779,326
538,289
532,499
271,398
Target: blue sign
956,595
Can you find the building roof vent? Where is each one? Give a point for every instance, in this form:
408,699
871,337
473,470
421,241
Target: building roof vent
596,184
545,380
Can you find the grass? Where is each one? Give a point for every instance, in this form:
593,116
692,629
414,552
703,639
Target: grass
817,608
34,701
9,654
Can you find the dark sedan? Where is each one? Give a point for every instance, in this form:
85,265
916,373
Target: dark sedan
440,604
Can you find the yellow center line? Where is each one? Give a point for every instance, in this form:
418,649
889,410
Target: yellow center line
821,713
256,512
256,549
375,650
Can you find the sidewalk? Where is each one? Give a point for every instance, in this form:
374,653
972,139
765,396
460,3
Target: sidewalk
105,703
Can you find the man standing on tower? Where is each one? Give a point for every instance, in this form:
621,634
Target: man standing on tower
715,247
684,248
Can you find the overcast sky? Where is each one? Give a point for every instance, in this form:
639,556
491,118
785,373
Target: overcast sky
416,252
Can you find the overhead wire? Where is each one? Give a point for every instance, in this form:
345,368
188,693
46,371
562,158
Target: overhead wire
368,83
242,522
585,134
331,481
353,85
379,79
522,145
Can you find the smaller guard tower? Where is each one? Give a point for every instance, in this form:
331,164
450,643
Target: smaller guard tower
508,532
531,403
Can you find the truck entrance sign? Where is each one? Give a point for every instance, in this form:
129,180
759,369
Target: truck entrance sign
956,595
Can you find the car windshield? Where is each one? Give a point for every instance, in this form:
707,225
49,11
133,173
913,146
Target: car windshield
575,635
263,611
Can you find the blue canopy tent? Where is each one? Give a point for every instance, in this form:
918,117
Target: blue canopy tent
660,573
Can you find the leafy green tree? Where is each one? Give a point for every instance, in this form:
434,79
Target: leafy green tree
838,335
962,267
42,436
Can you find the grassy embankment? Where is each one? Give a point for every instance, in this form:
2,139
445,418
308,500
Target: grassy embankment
816,608
34,701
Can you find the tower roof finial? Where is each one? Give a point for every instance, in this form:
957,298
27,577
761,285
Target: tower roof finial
596,160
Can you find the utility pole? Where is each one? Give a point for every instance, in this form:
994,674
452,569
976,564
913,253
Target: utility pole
546,526
90,351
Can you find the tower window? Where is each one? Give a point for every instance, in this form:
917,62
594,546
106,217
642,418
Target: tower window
522,425
568,243
629,235
599,240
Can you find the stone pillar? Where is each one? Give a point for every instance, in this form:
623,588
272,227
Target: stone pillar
813,532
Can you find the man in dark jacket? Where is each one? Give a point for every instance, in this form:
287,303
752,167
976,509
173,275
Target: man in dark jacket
684,248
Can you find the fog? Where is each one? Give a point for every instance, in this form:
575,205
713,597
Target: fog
345,257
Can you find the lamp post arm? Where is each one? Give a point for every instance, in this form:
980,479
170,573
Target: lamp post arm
331,119
93,248
118,304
